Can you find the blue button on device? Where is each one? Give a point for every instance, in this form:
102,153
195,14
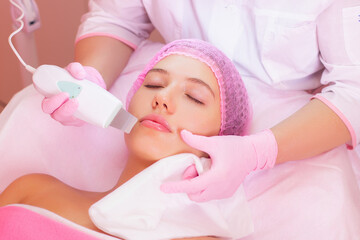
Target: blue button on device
71,88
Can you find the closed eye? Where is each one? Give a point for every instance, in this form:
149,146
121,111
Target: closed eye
153,86
194,99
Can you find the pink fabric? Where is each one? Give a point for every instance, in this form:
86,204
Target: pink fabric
343,118
130,44
235,106
17,223
310,199
232,157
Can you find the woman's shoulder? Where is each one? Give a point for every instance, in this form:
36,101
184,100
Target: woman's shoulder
25,185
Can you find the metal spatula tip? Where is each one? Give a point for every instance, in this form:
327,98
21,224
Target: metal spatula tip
124,121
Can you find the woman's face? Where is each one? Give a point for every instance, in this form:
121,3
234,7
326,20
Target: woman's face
178,93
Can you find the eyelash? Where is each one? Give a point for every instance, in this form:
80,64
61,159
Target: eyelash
194,99
189,96
152,86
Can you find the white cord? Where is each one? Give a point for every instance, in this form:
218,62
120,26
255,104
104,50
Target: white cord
19,19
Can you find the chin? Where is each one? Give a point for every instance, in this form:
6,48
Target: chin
151,145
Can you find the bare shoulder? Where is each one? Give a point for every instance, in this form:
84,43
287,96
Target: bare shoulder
18,190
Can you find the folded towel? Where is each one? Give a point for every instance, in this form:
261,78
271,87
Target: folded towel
140,210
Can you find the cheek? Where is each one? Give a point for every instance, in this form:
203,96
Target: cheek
151,146
139,102
200,122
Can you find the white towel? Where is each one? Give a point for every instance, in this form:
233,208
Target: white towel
140,210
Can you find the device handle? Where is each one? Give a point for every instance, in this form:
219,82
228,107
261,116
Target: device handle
96,105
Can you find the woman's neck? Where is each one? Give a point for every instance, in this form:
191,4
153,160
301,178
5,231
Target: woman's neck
133,166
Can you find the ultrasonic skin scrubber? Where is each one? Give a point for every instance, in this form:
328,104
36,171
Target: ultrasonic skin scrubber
96,105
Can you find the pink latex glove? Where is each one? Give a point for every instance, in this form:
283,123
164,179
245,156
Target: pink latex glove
60,107
233,158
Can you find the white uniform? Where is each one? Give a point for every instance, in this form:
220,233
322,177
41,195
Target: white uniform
287,44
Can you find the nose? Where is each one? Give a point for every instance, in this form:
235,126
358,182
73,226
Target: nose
163,102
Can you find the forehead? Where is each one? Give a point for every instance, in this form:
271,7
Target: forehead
188,67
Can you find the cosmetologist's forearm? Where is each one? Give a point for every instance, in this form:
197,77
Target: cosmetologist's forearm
310,131
108,55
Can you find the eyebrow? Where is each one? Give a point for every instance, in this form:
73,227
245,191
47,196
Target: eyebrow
201,82
194,80
159,70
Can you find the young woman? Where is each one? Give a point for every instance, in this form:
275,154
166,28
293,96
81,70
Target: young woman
188,85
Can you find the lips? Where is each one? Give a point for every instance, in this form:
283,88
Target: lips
156,122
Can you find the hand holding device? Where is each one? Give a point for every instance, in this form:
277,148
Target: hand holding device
62,106
71,101
87,100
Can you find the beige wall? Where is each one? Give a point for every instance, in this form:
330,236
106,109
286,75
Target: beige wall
54,41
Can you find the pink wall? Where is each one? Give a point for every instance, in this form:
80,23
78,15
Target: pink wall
54,40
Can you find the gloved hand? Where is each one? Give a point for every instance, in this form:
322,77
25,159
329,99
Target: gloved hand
233,158
60,107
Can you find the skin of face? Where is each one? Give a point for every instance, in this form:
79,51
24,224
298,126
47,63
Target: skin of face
181,93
